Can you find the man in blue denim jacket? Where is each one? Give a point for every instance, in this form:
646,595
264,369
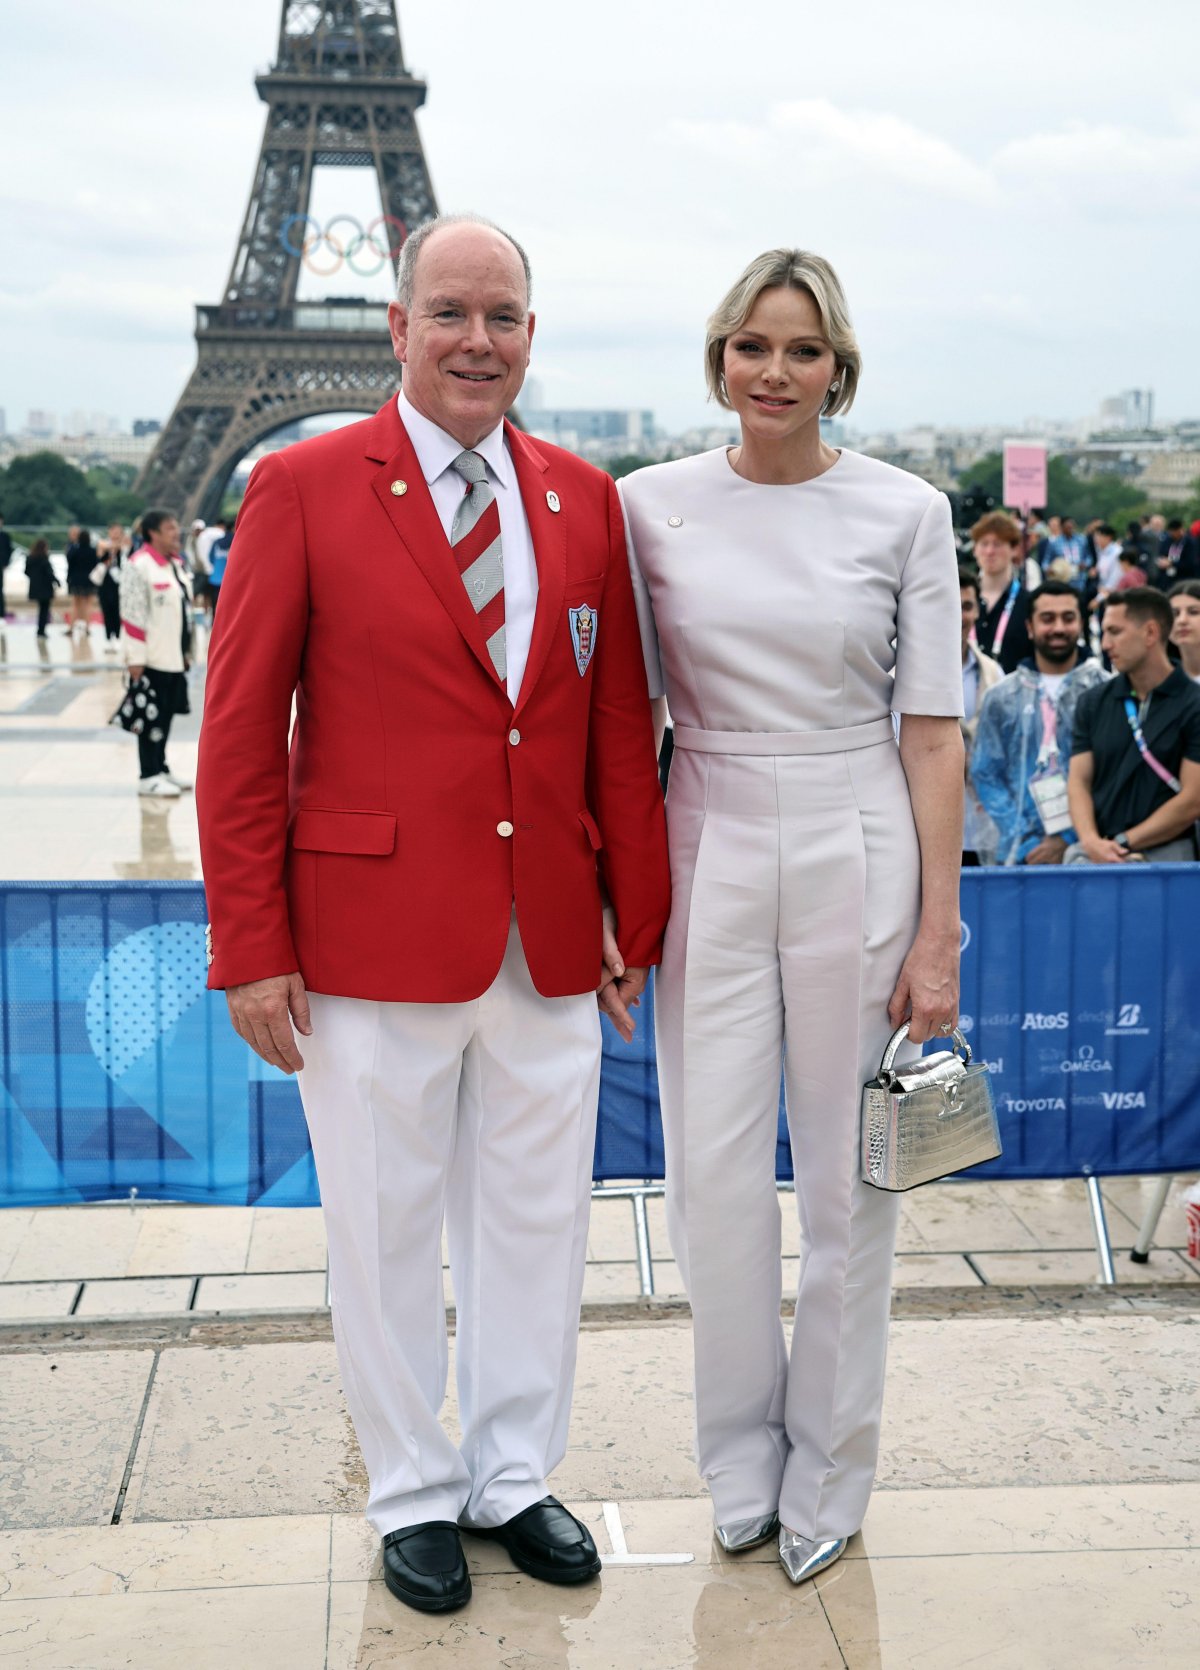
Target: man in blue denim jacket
1022,746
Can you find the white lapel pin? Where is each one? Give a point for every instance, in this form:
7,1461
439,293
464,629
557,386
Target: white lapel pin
674,521
399,488
553,501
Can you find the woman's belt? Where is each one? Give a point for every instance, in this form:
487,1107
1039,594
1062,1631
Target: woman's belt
785,742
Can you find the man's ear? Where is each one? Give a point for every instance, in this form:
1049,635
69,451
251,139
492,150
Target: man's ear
397,316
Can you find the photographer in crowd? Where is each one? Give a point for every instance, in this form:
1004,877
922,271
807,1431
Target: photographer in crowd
1134,785
1022,744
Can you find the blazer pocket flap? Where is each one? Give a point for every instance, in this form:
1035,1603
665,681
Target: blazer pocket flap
593,831
317,830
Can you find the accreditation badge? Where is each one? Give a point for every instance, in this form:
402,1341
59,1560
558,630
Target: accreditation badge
583,622
1050,797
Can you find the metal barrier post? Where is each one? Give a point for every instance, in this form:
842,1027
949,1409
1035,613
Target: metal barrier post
1108,1275
641,1225
1145,1235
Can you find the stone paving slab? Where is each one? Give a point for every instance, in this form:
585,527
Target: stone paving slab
67,1424
1005,1578
243,1431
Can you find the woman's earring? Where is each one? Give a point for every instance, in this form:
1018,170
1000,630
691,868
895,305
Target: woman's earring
834,387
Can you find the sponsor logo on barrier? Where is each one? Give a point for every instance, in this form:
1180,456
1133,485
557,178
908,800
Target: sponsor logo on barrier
1128,1023
1035,1021
1121,1101
965,937
1033,1104
1007,1020
1093,1017
966,1024
1085,1060
996,1066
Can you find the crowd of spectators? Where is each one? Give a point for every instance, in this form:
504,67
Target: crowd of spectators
1081,692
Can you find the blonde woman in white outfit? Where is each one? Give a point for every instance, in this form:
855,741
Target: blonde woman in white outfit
791,598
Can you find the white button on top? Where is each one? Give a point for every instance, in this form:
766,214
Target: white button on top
504,828
514,737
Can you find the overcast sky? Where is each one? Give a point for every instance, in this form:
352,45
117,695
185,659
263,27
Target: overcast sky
1010,191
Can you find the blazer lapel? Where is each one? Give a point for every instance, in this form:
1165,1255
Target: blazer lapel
549,533
412,514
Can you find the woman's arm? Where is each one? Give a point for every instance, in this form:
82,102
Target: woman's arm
931,752
658,716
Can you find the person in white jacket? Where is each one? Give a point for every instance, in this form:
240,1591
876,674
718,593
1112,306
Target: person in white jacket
156,640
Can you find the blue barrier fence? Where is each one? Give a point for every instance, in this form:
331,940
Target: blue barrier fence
118,1071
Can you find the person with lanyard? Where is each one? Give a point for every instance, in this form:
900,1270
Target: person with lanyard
1001,630
979,675
1069,547
1023,738
1134,784
1178,558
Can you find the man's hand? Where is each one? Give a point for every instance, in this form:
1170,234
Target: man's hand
1049,850
618,997
613,962
1101,851
264,1012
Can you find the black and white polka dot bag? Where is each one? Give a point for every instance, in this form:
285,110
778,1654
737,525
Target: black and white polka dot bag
138,709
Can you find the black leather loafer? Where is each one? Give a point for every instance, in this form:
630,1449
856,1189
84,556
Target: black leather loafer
547,1542
423,1566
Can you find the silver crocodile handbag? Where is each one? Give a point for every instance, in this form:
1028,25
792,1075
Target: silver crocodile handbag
928,1118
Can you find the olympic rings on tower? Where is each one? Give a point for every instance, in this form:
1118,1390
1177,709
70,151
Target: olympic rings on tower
345,250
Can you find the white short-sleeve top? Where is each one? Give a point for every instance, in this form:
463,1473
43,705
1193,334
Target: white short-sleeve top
814,606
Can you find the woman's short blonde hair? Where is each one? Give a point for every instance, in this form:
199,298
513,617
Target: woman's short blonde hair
791,269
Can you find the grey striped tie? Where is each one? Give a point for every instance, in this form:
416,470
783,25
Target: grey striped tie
475,536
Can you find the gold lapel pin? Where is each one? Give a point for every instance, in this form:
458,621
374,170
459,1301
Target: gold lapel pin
399,488
553,501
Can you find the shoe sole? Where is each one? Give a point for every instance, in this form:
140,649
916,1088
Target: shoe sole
744,1547
545,1574
422,1603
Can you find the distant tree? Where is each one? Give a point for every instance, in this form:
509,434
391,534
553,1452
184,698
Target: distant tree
626,464
42,488
1067,494
113,487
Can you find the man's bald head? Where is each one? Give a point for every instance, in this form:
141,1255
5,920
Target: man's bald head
413,244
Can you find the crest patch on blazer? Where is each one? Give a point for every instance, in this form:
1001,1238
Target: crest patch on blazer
584,621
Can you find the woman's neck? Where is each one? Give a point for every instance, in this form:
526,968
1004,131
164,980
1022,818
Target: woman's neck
1189,656
783,463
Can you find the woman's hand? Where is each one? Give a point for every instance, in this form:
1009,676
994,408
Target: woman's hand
926,994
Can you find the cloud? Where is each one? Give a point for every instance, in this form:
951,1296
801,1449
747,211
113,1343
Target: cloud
92,307
1105,165
829,146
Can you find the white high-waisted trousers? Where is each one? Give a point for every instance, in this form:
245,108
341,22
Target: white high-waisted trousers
796,888
483,1112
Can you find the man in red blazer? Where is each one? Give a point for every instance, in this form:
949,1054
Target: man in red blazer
414,885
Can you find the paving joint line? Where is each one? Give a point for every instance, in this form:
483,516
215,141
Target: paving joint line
133,1447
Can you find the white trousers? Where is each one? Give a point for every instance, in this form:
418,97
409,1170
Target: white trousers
483,1115
795,900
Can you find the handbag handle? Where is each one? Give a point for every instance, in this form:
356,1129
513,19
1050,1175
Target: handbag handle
901,1033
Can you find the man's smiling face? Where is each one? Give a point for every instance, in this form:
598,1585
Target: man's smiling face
464,342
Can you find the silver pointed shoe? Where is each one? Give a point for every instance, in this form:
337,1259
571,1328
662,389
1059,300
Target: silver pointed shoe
802,1558
736,1535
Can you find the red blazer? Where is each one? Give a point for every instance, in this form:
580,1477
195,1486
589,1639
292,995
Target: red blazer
380,855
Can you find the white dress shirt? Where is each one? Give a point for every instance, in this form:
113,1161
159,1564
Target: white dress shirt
436,451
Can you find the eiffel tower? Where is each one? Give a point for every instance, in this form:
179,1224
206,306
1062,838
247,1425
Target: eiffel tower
338,95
